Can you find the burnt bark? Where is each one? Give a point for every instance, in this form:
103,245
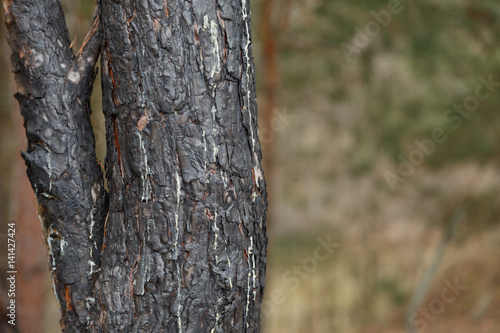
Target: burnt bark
32,278
180,244
54,97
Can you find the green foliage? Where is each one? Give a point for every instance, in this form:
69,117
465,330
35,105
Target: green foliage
400,84
392,289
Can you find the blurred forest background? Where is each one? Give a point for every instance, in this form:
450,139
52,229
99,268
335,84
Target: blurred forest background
365,146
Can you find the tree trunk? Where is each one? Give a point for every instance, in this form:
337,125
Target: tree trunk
179,243
31,279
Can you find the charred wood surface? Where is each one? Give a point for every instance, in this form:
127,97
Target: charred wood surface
180,244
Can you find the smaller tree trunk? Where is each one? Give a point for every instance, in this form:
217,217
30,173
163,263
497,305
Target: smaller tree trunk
54,98
31,255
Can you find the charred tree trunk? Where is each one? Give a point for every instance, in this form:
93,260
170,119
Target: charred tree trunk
32,279
54,96
178,244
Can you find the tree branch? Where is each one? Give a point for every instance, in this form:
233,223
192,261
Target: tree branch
91,48
54,97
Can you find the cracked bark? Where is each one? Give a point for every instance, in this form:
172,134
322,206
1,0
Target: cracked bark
180,244
54,97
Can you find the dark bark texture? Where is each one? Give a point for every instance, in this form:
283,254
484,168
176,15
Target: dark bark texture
179,243
54,97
